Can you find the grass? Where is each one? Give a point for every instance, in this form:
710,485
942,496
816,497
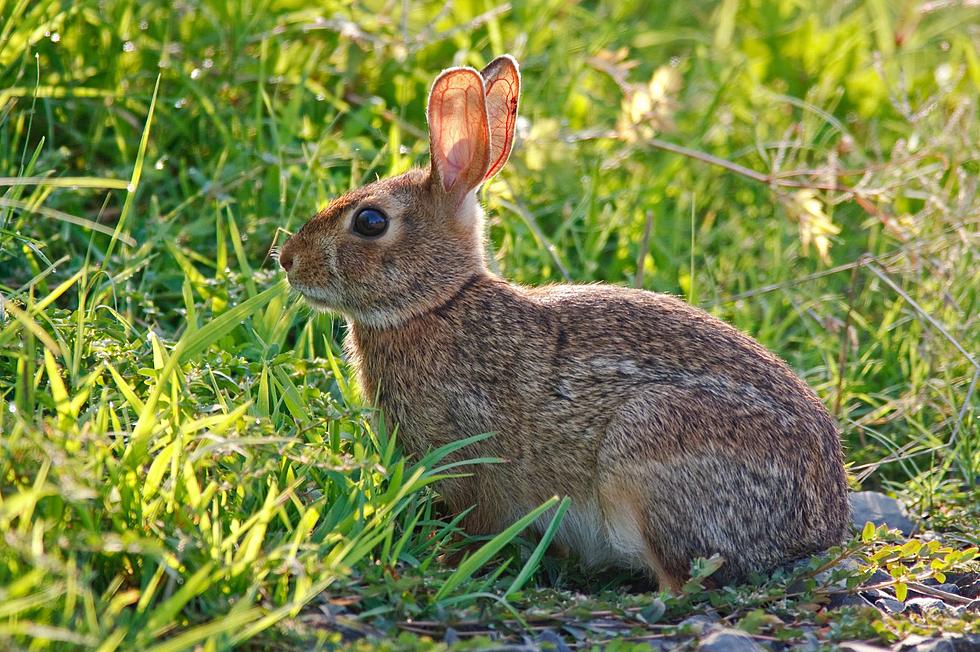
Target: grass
185,459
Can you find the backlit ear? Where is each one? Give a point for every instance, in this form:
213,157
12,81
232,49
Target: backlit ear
502,81
459,137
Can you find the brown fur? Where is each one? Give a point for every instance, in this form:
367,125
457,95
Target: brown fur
675,435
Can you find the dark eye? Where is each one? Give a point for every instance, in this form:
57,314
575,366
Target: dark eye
370,222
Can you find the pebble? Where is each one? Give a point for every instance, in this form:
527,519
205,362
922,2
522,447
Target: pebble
551,641
728,640
891,606
879,509
948,643
698,623
839,600
857,646
921,605
948,588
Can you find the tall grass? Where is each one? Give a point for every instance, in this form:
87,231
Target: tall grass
185,459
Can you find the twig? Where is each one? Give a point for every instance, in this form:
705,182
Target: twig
773,180
720,162
772,287
779,180
945,596
897,456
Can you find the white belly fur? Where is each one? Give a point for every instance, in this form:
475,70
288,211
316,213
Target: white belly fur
596,541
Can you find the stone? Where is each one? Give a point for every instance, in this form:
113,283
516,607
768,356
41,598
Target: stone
878,577
698,623
968,584
839,600
890,606
550,641
965,642
937,645
728,640
858,646
948,643
880,509
921,605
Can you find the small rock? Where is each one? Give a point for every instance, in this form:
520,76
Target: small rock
858,646
878,577
879,509
875,594
948,643
698,623
450,637
935,645
551,641
890,606
921,605
948,588
728,640
968,583
965,642
839,600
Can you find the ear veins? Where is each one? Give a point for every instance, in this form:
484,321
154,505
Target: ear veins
502,86
462,153
459,133
502,97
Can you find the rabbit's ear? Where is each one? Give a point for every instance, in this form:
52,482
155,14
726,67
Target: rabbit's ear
502,81
459,137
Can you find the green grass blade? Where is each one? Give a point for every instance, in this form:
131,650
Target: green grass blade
478,559
532,562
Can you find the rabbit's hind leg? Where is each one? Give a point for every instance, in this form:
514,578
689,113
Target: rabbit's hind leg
670,494
628,530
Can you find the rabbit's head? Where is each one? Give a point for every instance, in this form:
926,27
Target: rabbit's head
402,246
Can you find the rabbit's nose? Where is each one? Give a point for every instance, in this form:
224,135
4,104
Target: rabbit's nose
286,260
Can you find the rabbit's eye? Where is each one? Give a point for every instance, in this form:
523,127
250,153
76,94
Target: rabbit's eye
370,222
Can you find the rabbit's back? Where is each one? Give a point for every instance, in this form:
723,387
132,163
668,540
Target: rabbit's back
650,413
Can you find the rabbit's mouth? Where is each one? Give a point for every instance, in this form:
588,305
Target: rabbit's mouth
316,297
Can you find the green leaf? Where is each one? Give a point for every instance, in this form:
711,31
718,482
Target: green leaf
868,533
901,591
911,548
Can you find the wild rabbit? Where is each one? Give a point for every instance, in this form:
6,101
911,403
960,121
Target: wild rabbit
675,435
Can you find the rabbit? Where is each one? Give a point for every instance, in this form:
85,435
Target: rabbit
675,435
